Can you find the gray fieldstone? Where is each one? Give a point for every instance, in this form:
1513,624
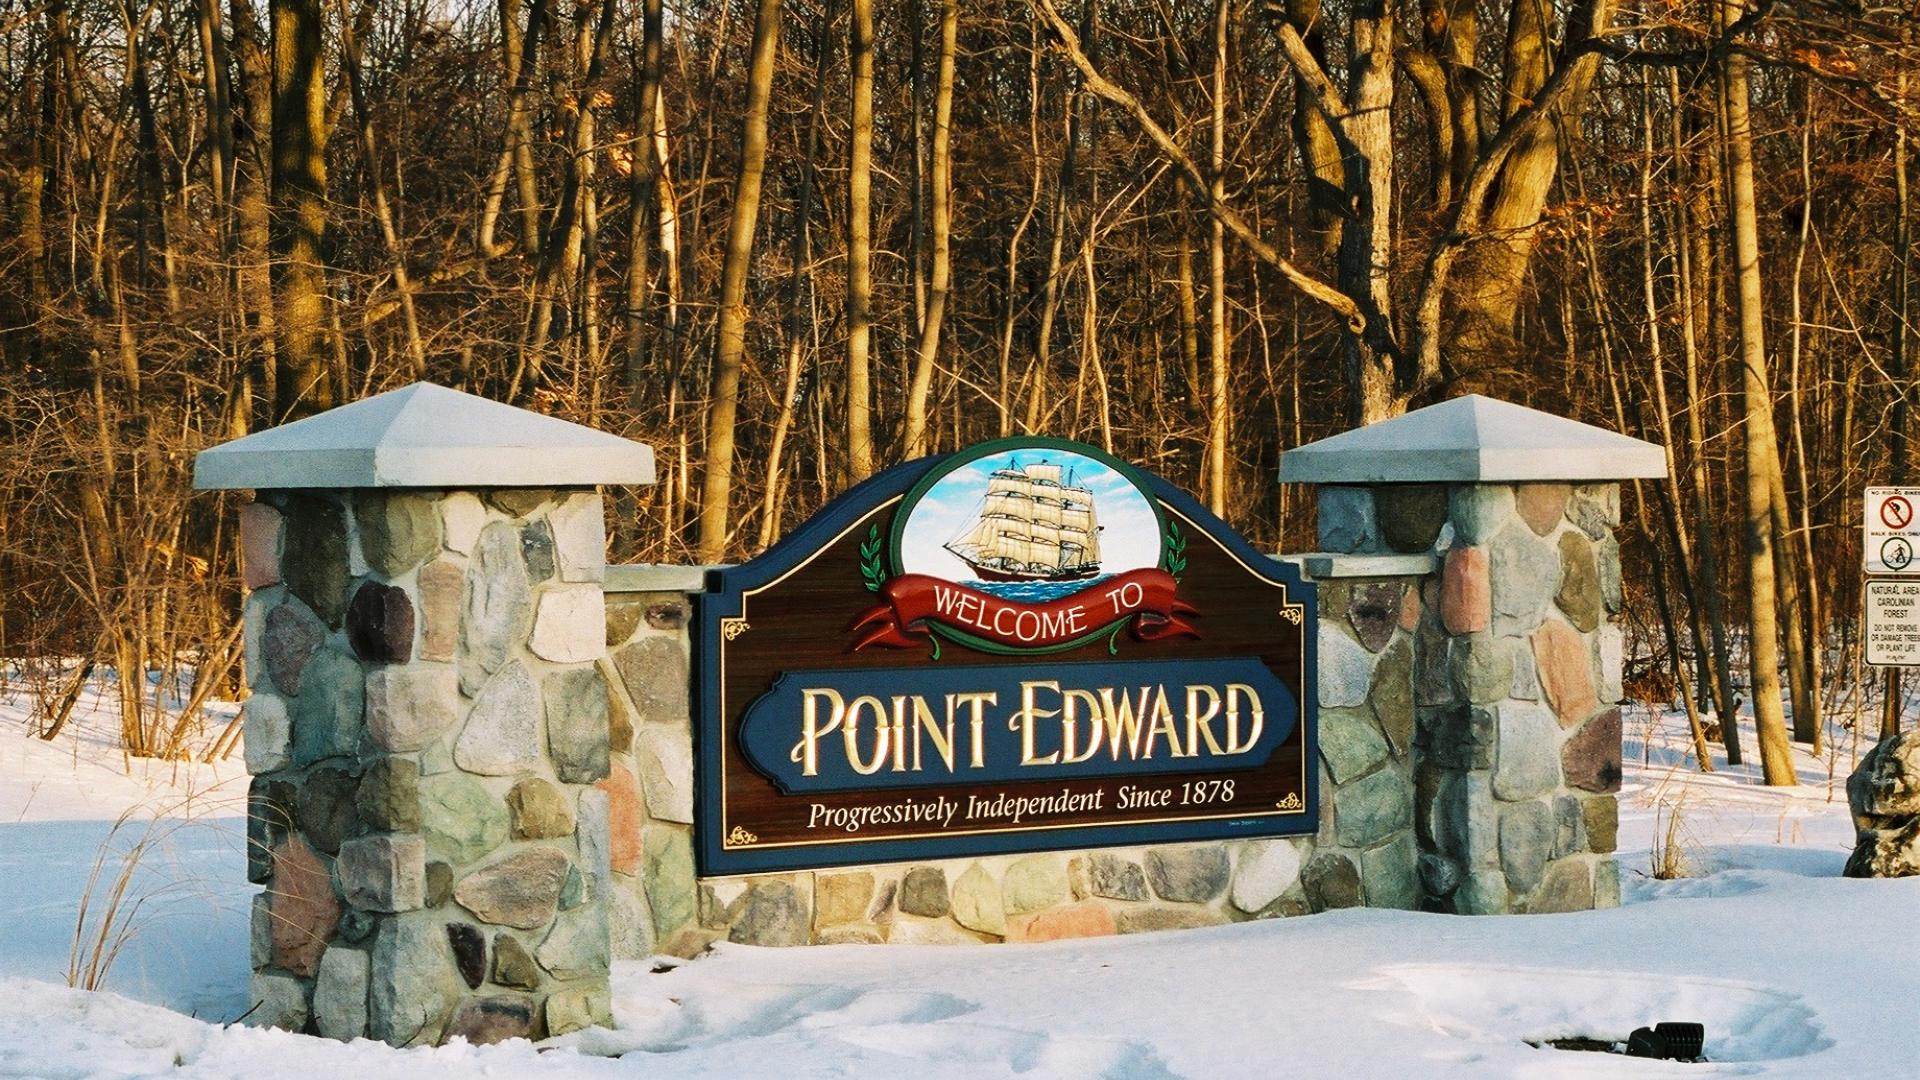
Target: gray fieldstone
502,733
512,964
630,924
1569,837
1391,874
462,820
924,892
1266,870
1606,884
483,1021
409,708
1190,875
1115,877
324,808
1345,519
536,550
279,1001
1373,610
442,584
1392,694
291,634
328,714
1478,511
1525,571
340,994
1439,876
1332,881
1034,883
664,756
570,625
270,807
260,933
398,530
384,873
1373,808
267,732
414,981
389,795
1466,823
775,914
1579,593
1526,842
521,890
1483,667
462,516
975,901
1350,744
1527,763
1432,675
654,670
593,834
580,537
499,605
1606,561
1346,669
380,624
1610,658
669,878
314,555
1526,674
577,724
1410,515
1482,892
540,811
1458,736
578,1009
1595,508
1883,794
578,946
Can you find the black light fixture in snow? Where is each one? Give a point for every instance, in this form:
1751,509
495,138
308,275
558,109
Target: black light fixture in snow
1670,1040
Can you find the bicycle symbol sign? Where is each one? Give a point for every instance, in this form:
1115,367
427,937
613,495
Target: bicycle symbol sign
1892,533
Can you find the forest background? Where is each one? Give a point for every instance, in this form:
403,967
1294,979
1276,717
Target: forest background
790,242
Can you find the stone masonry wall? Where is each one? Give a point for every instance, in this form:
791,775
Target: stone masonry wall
1517,685
431,806
1364,852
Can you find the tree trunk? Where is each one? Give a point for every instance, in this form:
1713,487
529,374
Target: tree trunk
859,246
299,222
717,479
641,189
1219,419
941,272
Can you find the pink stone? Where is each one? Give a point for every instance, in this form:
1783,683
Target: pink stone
1542,506
302,905
259,545
1410,610
1466,591
441,583
623,817
1089,918
1561,655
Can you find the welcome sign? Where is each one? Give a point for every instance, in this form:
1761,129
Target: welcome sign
1021,646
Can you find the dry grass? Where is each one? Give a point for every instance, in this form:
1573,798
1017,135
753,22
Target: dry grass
1671,855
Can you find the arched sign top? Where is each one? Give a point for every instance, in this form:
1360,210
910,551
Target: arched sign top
1026,644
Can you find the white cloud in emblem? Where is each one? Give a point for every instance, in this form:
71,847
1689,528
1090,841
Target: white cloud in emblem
1129,537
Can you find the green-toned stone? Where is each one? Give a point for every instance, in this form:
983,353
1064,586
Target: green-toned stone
1439,876
1483,667
498,613
536,550
1526,842
325,808
1390,874
1188,875
576,700
439,883
976,902
1392,695
1345,519
1579,593
1115,877
924,892
398,530
389,796
574,892
623,618
1482,892
313,559
520,502
1373,808
1606,560
1034,883
1410,515
1525,571
1601,817
329,715
1349,743
415,982
1479,510
1595,508
669,877
578,946
576,1009
462,820
1606,884
512,964
1332,881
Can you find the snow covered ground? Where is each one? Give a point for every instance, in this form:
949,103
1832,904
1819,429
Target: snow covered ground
1795,971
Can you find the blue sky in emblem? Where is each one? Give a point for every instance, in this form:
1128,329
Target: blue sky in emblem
1129,540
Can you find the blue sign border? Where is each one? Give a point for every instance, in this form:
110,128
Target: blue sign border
724,598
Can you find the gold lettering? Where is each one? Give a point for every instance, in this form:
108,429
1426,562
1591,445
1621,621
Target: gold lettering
1026,719
1200,725
850,731
923,721
1069,725
1162,721
1259,717
976,723
807,750
1123,721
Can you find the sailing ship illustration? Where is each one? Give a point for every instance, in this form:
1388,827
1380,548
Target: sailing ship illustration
1031,526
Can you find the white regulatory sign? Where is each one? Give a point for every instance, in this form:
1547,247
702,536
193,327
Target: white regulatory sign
1892,533
1893,623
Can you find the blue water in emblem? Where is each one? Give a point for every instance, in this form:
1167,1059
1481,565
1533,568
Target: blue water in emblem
1034,592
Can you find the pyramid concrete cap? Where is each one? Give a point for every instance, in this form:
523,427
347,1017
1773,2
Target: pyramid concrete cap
1474,439
425,436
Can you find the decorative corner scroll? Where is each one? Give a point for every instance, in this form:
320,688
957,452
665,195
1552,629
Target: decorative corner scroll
733,627
1291,802
740,837
1293,613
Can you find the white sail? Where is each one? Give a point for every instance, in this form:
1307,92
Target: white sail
1030,525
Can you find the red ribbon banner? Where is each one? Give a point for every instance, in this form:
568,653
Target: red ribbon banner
916,601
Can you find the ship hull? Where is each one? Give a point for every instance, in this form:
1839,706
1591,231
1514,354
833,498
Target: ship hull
987,573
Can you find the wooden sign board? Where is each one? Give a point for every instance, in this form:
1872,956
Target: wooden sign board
1026,645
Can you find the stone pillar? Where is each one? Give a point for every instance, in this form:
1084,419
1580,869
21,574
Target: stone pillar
428,733
1518,649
